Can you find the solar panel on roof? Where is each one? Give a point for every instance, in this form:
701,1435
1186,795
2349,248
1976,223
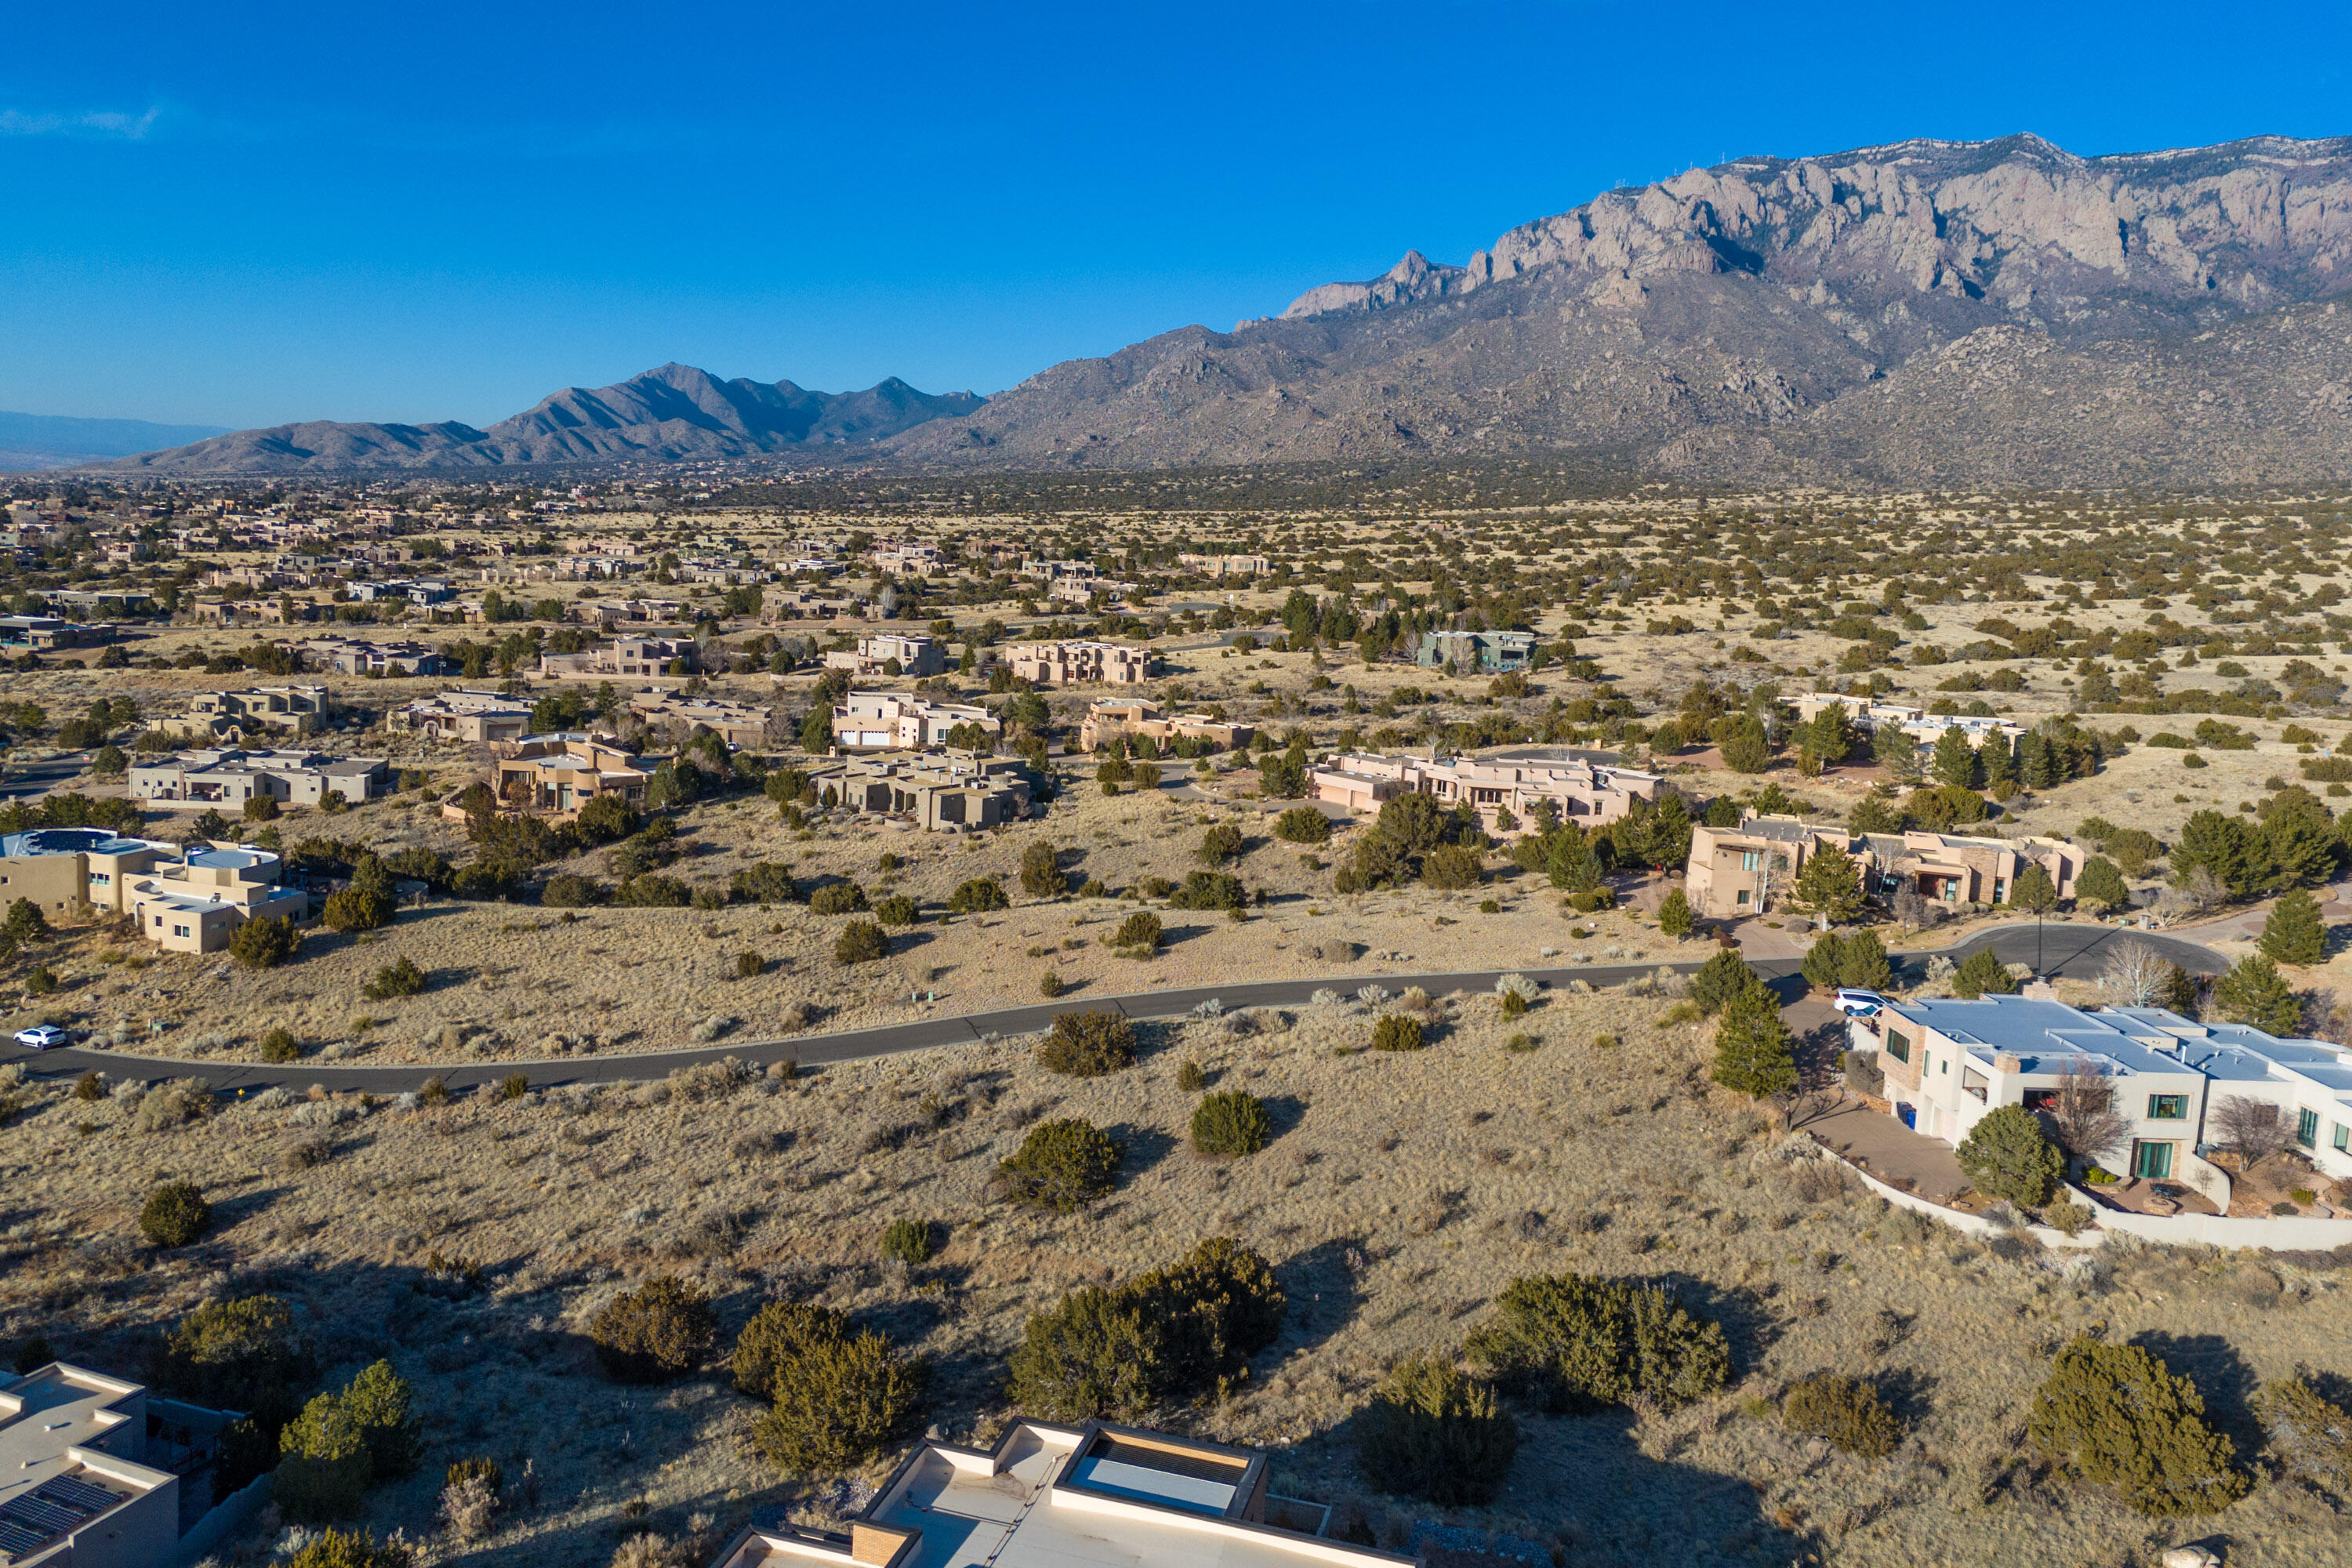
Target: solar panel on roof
74,1492
17,1541
43,1515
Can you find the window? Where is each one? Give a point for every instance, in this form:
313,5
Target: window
1897,1046
1739,896
1750,858
2343,1138
2168,1107
2152,1161
179,931
2306,1127
2039,1098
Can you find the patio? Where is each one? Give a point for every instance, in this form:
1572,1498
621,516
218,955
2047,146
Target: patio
1890,1151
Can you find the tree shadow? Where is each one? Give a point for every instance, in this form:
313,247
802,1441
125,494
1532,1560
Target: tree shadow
1321,1287
2223,1377
1285,1111
1907,1392
1141,1148
1750,1327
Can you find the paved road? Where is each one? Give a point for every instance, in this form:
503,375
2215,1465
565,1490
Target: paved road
30,780
2077,951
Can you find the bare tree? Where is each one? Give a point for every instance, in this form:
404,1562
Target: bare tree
2135,974
2250,1128
2203,889
2084,1114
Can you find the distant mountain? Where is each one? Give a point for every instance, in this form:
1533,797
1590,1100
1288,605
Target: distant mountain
50,441
1954,312
672,413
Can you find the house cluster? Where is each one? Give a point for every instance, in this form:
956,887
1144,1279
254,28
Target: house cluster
1746,869
557,774
228,777
184,900
1871,716
941,791
1221,567
475,717
260,710
91,1470
913,654
351,656
1088,1496
1078,663
44,634
889,722
1590,793
1949,1062
1483,653
737,723
1140,719
906,558
628,658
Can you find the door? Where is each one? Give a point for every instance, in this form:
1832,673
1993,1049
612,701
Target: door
2153,1160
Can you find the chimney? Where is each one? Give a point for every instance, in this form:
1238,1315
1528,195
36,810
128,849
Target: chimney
2008,1061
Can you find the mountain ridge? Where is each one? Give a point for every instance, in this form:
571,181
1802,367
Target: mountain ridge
671,413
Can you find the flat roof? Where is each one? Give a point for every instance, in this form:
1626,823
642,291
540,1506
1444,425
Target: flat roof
44,1491
2043,1034
70,841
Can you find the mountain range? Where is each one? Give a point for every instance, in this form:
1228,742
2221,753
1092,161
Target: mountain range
55,441
1925,313
674,413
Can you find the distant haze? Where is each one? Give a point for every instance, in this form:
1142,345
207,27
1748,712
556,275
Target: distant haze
50,440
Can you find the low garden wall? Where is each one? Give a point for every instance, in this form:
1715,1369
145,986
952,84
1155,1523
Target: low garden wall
2285,1233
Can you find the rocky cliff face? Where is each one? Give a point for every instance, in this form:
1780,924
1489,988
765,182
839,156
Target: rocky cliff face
672,413
1776,317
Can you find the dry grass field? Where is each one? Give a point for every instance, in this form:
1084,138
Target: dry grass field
1401,1194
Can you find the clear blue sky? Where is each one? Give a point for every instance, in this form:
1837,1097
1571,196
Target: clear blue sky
244,214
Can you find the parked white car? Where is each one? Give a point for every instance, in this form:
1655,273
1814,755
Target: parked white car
1858,1004
41,1037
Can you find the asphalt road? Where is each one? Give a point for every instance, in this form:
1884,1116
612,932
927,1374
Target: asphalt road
2073,951
30,780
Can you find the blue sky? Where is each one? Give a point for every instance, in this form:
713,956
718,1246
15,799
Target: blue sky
248,214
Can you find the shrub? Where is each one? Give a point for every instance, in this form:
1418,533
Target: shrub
777,1335
910,1241
1050,985
399,978
2310,1435
979,894
860,941
2009,1156
241,1353
514,1085
342,1444
2067,1217
1186,1331
658,1332
1846,1410
1234,1122
1450,867
1574,1342
839,1402
1220,844
355,1549
749,965
1433,1433
566,891
1395,1032
1139,933
1088,1044
1041,872
651,890
176,1215
2116,1415
1192,1079
898,910
1061,1165
1303,825
262,942
1208,890
277,1046
838,898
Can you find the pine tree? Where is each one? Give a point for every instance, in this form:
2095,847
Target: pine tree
2255,993
2294,933
1573,866
2033,891
1955,761
2101,883
1831,884
1981,973
1824,961
1674,915
1754,1053
1863,963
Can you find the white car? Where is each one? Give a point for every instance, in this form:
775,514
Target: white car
1857,1004
41,1037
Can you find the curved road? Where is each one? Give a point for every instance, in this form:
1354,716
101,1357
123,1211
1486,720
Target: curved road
2076,952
